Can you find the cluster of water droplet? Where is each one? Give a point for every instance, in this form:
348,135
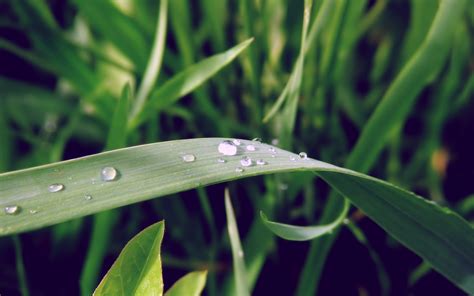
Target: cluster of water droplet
107,174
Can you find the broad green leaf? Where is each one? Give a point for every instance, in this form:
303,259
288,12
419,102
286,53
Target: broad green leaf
137,270
191,284
240,273
186,81
438,235
303,233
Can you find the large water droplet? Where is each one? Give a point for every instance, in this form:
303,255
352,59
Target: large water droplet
236,142
239,170
87,197
261,162
221,160
250,147
246,161
303,155
189,158
55,187
108,174
227,148
12,210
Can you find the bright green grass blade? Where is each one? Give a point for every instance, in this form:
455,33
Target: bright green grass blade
304,233
240,273
117,137
154,63
436,234
137,270
186,81
191,284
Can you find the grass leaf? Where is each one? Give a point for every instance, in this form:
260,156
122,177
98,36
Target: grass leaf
436,234
191,284
137,270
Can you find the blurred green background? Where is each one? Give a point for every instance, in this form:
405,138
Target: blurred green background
63,65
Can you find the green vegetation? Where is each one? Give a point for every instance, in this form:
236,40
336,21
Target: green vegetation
374,86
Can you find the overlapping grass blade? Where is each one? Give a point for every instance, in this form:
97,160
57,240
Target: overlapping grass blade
137,270
186,81
436,234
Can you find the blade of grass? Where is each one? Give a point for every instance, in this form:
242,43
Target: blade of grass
186,81
20,266
154,63
191,284
240,273
137,270
436,234
304,233
388,116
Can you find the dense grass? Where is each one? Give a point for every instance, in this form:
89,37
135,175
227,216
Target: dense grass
381,87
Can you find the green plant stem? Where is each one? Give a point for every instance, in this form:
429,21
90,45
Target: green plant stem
20,266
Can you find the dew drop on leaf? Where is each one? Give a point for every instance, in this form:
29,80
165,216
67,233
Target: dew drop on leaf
250,147
87,197
221,160
246,161
108,174
260,162
236,142
303,155
189,158
12,210
239,170
227,148
56,187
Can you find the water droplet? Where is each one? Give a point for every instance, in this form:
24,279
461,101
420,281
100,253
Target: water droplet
275,142
108,174
87,197
221,160
303,155
292,158
272,149
239,170
33,211
246,161
56,187
250,147
227,148
257,140
261,162
236,142
189,158
12,210
273,155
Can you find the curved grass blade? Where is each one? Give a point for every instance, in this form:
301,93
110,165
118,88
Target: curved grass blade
304,233
436,234
186,81
191,284
240,273
137,270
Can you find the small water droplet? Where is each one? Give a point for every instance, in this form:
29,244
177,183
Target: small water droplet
257,140
250,147
227,148
33,211
221,160
292,158
246,161
108,174
261,162
272,149
303,155
275,142
236,142
87,197
189,158
56,187
12,210
239,170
